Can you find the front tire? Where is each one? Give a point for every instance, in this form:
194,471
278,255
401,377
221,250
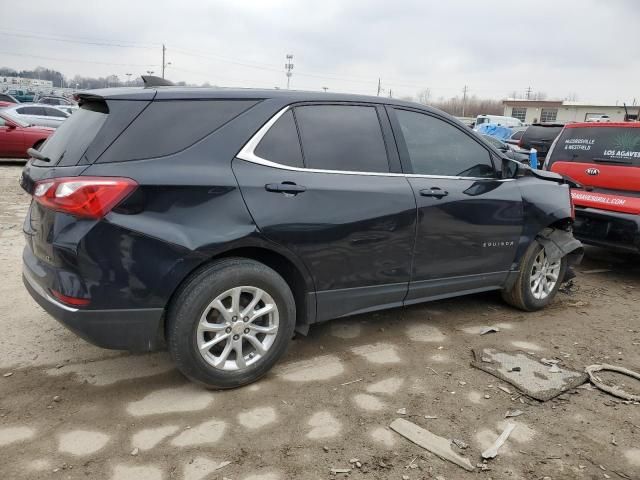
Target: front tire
537,282
230,322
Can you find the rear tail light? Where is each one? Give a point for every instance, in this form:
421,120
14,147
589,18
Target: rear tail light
74,301
87,197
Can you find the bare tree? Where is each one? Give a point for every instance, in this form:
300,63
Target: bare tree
424,96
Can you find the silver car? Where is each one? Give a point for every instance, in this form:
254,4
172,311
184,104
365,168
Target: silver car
35,114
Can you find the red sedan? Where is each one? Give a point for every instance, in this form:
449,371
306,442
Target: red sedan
17,136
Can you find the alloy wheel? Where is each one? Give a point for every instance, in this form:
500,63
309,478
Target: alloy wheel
237,328
544,275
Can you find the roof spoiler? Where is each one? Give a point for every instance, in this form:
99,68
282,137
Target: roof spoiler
152,81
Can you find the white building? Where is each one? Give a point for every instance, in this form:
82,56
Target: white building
24,83
532,111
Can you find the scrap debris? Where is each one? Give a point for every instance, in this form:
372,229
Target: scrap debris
527,373
424,438
492,451
614,390
513,413
491,329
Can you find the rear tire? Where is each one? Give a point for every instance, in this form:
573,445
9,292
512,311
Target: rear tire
537,282
212,334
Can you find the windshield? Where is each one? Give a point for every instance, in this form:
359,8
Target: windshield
12,119
616,145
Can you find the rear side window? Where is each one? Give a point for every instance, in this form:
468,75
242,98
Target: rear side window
517,135
342,137
616,145
169,126
281,143
438,148
74,135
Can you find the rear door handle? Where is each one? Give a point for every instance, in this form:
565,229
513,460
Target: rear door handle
285,187
434,192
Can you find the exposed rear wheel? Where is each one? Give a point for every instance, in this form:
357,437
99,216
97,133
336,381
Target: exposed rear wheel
230,323
538,280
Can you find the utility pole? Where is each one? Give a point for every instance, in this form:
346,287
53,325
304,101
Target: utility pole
379,87
128,78
390,93
464,98
325,89
528,94
288,67
164,50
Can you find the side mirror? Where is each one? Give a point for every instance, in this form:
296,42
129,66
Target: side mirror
511,168
10,126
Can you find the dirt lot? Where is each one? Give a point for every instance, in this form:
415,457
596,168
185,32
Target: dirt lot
71,410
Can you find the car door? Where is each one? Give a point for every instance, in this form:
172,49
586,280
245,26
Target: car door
55,116
334,202
11,140
469,220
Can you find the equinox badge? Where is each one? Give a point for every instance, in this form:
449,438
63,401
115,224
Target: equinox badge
592,171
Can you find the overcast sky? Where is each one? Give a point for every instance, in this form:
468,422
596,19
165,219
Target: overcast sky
586,48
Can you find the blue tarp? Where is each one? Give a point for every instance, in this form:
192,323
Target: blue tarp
495,130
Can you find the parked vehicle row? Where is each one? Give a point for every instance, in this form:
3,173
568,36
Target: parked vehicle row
261,212
16,137
604,159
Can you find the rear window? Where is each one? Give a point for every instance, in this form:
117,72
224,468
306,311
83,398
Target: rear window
616,145
67,145
169,126
540,137
342,137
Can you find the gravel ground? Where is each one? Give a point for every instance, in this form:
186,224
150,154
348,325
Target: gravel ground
71,410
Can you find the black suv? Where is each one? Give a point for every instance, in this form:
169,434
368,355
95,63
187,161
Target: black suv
218,221
540,136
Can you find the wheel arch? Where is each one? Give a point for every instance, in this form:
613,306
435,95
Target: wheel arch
294,273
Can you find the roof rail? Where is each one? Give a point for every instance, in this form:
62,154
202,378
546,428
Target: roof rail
152,81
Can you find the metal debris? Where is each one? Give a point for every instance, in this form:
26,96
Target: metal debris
459,443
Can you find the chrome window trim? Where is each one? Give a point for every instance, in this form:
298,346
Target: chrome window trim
247,153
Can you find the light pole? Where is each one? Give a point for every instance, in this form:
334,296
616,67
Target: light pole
149,72
128,78
288,67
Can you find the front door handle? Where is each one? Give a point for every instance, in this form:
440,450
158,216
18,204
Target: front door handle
434,192
285,187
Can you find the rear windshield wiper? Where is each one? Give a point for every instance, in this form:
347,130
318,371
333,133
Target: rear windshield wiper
37,155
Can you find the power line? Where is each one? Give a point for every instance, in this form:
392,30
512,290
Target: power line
70,40
78,61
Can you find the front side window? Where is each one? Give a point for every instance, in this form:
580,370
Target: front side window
31,111
281,143
438,148
342,137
